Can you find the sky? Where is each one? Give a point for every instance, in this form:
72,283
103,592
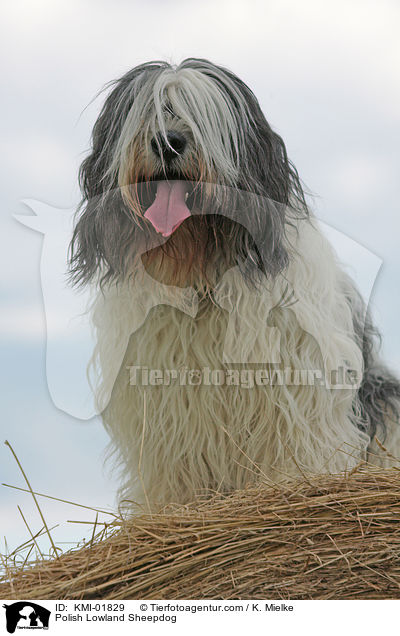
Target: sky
327,77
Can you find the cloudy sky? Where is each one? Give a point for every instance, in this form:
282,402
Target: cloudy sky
327,77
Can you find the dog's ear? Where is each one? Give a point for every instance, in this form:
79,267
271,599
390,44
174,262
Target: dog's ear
269,162
265,171
265,163
87,249
276,181
99,187
95,169
281,199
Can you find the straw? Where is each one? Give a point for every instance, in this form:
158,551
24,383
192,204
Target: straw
321,537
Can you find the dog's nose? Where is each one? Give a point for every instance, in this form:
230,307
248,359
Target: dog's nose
175,146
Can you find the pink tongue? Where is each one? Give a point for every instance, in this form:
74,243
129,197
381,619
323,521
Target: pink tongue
169,208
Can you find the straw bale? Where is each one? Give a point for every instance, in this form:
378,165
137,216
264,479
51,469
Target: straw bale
321,537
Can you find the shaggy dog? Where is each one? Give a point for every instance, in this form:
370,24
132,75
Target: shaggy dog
231,345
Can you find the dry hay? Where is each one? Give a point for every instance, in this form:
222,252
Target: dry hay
319,538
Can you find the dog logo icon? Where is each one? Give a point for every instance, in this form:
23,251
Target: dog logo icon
26,615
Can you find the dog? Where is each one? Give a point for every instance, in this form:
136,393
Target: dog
231,344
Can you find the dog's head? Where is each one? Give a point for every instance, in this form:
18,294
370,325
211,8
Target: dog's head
183,165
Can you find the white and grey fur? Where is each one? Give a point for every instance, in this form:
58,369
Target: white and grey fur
251,236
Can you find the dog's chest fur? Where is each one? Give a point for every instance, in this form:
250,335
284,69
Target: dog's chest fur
183,436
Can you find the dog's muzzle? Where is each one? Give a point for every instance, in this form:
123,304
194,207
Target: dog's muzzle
169,209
